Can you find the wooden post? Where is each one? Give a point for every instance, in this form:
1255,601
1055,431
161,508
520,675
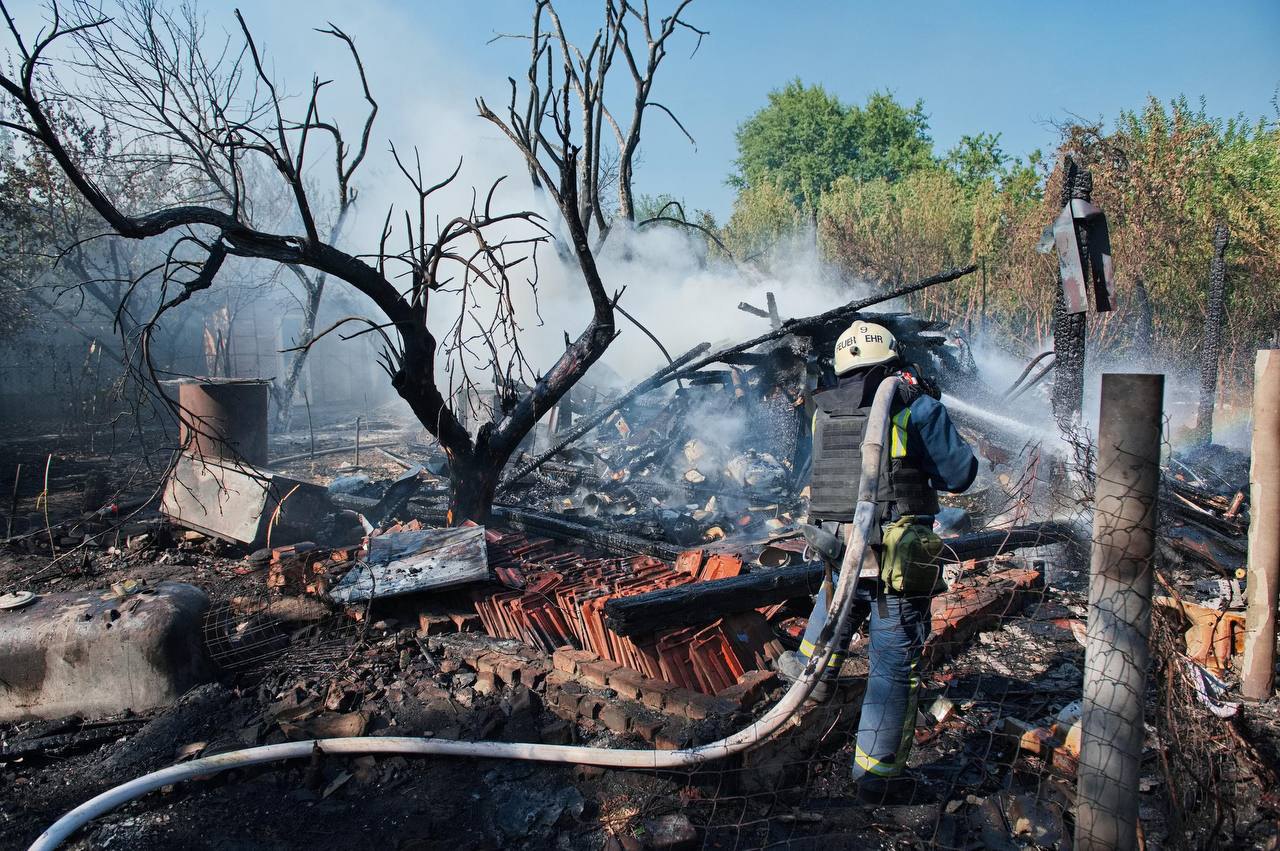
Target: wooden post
1257,677
1120,582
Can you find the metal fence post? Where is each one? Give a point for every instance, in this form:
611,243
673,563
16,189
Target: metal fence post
1258,675
1116,651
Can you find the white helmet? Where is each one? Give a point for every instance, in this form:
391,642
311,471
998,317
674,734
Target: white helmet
864,344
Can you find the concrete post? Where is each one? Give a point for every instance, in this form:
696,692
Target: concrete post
1116,652
1257,678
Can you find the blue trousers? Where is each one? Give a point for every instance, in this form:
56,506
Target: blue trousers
899,626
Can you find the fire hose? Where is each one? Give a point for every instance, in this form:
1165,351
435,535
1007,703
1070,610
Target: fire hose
761,730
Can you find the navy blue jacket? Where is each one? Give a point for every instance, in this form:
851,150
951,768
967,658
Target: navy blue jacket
942,452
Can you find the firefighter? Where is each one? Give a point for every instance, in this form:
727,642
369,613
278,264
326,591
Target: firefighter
900,574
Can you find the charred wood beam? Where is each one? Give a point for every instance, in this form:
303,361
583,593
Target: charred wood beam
682,368
753,310
1069,328
703,602
1214,319
588,423
809,324
613,543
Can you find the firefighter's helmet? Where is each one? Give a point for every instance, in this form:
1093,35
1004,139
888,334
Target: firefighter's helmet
864,344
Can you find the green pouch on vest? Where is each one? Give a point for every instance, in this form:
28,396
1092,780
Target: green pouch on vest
909,558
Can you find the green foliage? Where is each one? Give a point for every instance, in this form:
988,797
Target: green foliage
763,216
800,143
1166,175
892,140
888,210
978,158
805,139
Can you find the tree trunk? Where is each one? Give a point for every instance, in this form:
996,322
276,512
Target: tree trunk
1214,319
1142,324
473,480
284,391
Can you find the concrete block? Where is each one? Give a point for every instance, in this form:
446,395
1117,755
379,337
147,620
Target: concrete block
78,653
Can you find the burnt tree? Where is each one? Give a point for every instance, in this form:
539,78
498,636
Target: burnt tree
1069,328
1211,348
1142,321
629,35
220,112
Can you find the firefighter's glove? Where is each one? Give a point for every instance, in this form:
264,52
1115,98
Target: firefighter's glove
914,385
822,543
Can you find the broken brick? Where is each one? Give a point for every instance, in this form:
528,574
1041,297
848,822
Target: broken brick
597,672
429,624
695,706
556,732
486,682
750,687
615,717
566,659
655,693
590,705
509,669
647,727
465,622
672,737
627,683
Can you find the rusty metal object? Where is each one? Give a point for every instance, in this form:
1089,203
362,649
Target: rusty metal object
224,418
95,653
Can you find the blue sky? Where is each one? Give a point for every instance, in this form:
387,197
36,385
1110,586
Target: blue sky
993,66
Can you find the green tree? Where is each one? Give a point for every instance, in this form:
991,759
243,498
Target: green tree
891,140
805,139
799,143
978,158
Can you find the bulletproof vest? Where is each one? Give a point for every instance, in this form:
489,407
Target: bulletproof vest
839,423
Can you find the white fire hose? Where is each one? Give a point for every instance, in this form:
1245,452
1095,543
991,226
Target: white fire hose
758,731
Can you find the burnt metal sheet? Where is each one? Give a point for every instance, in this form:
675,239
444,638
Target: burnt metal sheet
238,502
421,560
1071,269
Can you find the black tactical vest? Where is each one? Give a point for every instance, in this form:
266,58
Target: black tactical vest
839,424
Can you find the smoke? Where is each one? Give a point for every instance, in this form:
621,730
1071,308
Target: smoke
680,295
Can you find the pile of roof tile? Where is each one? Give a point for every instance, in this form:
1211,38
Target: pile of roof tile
555,598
